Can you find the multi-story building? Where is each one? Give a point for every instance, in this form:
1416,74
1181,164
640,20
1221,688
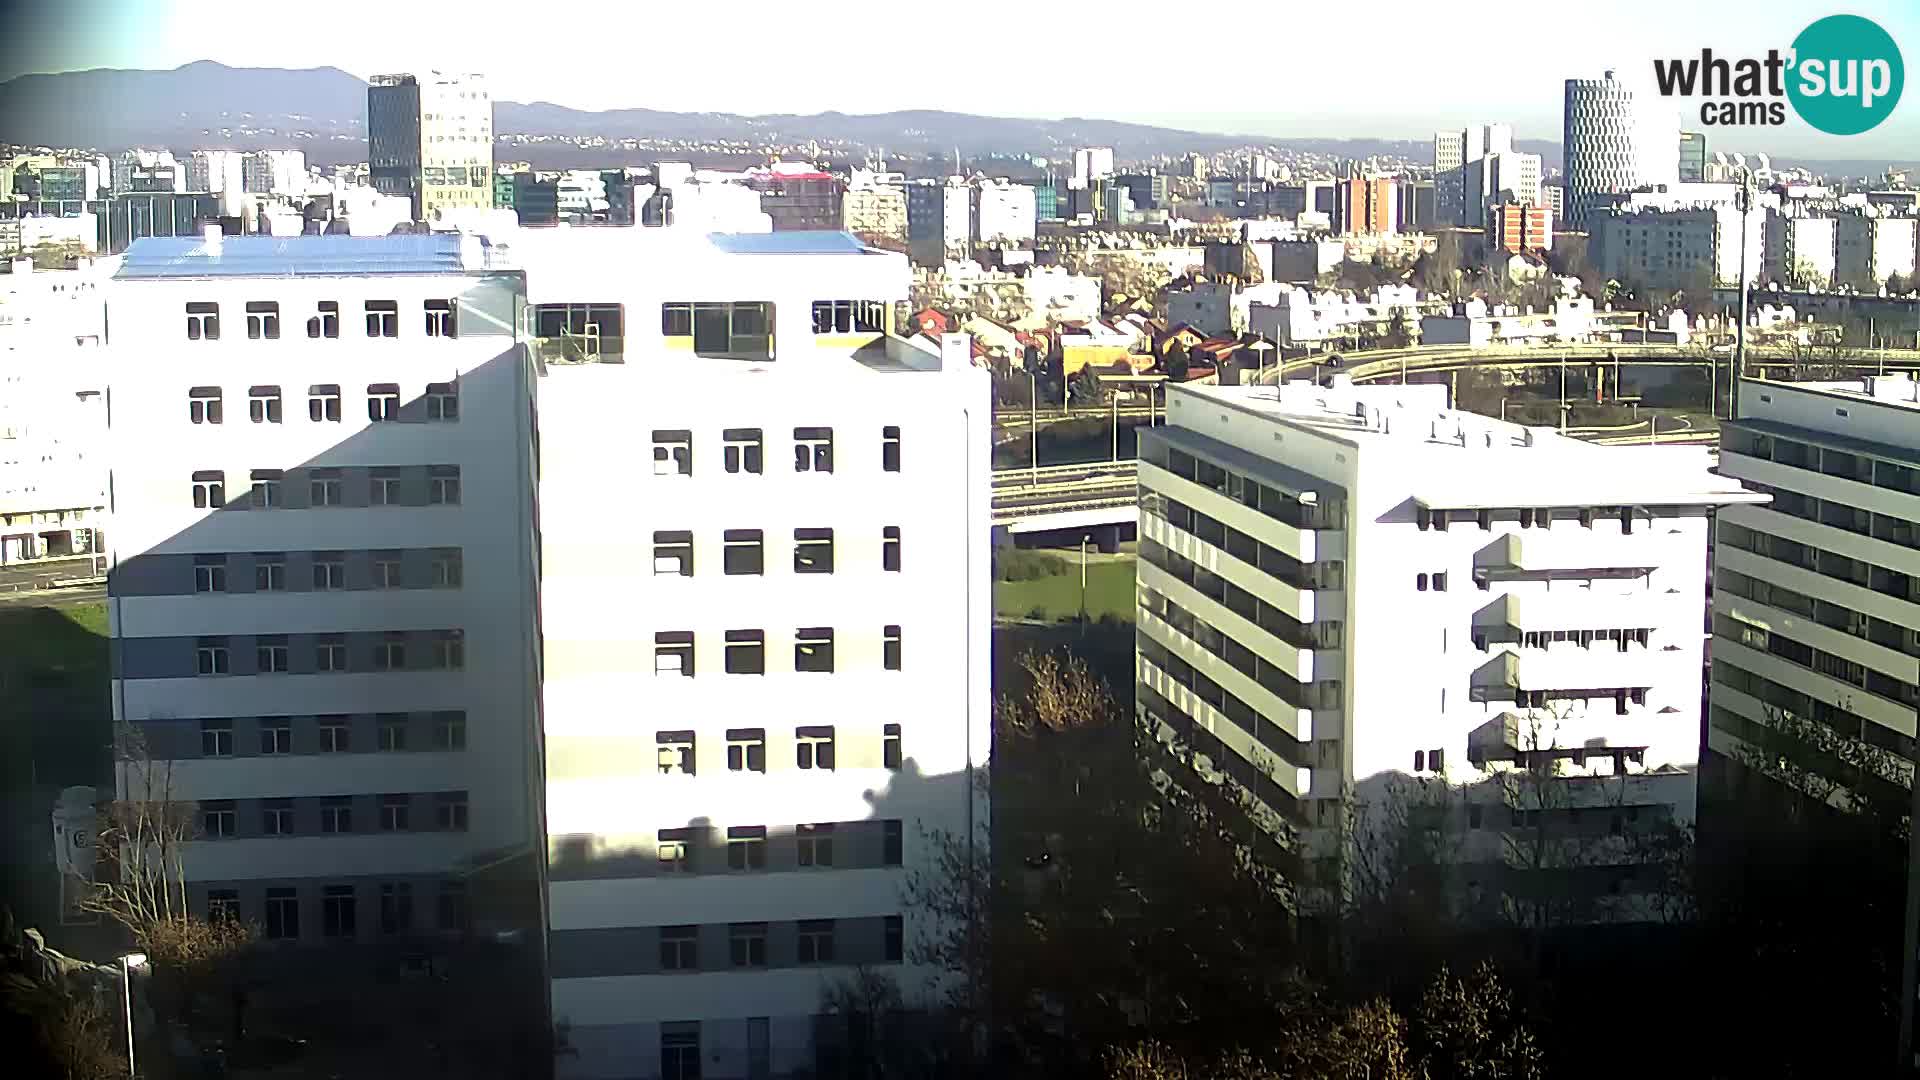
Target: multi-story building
1516,228
1554,197
873,208
324,583
1693,157
126,218
1364,205
939,220
1501,177
52,413
1003,213
1339,586
1673,247
146,171
430,138
275,172
802,550
1801,249
1460,181
1092,163
1616,138
1149,190
1871,248
799,198
215,171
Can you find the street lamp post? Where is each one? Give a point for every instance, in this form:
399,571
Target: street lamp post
127,964
1033,421
1116,425
1740,332
1260,350
1083,584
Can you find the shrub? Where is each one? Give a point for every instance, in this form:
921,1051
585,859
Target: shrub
1013,564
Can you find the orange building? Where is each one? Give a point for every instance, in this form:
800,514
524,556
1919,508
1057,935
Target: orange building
1515,228
1364,205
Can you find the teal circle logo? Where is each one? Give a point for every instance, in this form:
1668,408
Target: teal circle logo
1847,75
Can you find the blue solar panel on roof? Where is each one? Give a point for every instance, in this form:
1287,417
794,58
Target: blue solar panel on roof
788,243
292,256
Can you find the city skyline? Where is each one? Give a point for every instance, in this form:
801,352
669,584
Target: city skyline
1339,93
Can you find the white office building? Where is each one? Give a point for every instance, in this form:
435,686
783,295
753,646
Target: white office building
766,609
215,171
324,586
1672,247
430,138
1341,586
939,220
1616,137
1091,163
1003,213
1801,249
275,172
1871,247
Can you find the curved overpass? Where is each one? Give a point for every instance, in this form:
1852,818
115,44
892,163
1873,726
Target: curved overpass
1382,363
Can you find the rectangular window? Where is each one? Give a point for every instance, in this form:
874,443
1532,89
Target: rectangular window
742,552
223,905
890,647
263,404
265,493
673,652
386,570
443,401
216,737
276,817
746,652
439,318
325,322
336,814
890,449
263,320
448,570
329,571
325,488
815,843
816,941
283,914
390,652
676,320
1440,581
675,850
203,322
210,656
813,551
813,747
209,573
813,648
383,402
680,1050
895,939
747,944
673,553
747,847
452,903
204,405
330,653
269,572
396,908
271,655
450,811
209,489
890,746
337,911
383,318
892,841
813,449
747,750
335,734
674,752
679,948
393,812
217,819
890,548
672,452
449,650
742,449
384,487
443,485
450,730
323,403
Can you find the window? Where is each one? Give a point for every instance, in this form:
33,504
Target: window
386,570
443,401
210,656
209,489
680,1049
217,819
1420,582
816,941
336,911
892,841
890,746
1437,760
813,648
263,320
450,811
890,449
203,405
393,731
673,452
383,318
449,650
813,449
890,548
276,817
326,321
1486,519
741,330
263,404
673,553
747,847
895,938
1419,761
384,487
813,747
439,318
450,730
335,735
323,403
443,485
203,322
269,572
383,402
216,737
679,948
815,843
746,652
890,647
676,320
675,752
283,914
396,908
393,812
673,652
270,655
209,573
742,448
452,912
747,944
448,571
1440,581
329,571
676,856
330,653
223,904
742,552
265,493
747,750
813,551
324,488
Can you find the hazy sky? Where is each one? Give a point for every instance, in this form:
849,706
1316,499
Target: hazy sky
1254,67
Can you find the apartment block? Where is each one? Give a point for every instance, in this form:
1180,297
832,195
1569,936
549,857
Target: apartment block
430,138
1870,249
1517,228
323,583
1348,587
939,220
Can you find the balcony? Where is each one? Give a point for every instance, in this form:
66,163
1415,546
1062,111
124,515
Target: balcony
1571,551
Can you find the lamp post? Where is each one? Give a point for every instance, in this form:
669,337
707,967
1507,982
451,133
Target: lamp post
1083,585
1260,350
127,964
1745,205
1033,421
1116,425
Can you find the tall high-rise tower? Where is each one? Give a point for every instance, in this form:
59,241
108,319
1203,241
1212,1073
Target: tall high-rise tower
431,139
1615,139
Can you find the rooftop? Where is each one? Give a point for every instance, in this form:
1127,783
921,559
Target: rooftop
790,243
300,256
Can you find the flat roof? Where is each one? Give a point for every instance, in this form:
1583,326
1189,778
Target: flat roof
804,242
151,258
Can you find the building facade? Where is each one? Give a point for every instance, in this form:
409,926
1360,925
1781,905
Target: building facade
1365,205
1868,249
876,210
430,138
939,220
1003,213
1615,138
1693,157
1516,228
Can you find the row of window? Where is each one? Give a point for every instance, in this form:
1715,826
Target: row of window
382,319
334,734
1829,461
1529,517
1326,511
744,551
1621,637
219,818
743,450
325,487
1319,635
1546,699
1833,616
747,948
1805,707
1826,562
746,651
1832,665
339,909
813,748
1264,557
747,846
207,404
329,569
446,650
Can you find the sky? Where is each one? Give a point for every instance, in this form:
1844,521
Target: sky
1245,67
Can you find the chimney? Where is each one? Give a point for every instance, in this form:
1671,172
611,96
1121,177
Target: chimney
210,238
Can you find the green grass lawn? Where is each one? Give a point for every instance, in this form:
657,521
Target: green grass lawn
1109,592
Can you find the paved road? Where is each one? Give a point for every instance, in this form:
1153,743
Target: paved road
84,594
41,575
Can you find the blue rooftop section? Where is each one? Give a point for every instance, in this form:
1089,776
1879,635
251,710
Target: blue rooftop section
789,243
291,256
